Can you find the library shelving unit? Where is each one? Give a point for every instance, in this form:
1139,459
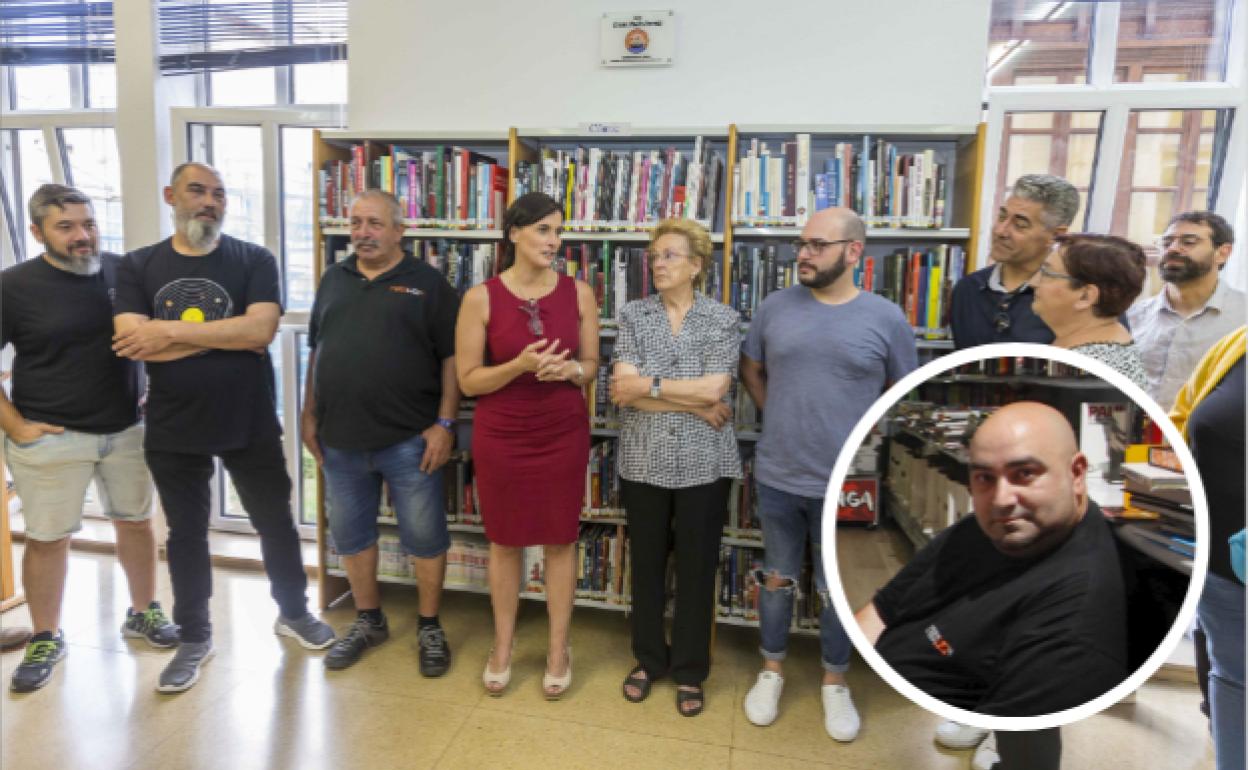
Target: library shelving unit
618,192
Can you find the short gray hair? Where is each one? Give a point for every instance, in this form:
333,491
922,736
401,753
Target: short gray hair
1059,198
177,171
53,195
391,203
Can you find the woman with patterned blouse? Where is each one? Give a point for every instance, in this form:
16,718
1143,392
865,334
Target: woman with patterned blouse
675,359
1085,284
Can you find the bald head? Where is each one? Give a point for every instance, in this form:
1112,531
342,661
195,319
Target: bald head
182,168
1028,479
839,222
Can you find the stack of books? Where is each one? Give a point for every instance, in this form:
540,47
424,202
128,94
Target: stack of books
1162,495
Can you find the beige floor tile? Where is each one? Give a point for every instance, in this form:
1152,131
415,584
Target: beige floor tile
305,722
503,740
752,760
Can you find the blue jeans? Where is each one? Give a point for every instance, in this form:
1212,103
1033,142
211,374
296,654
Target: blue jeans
1221,613
353,481
788,520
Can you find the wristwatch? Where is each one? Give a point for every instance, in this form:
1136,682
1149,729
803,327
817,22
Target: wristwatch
654,386
447,423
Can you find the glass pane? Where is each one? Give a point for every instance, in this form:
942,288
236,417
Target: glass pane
1204,159
34,169
1060,149
1031,120
95,169
102,86
1028,155
1200,200
1085,120
45,87
1181,39
297,217
1032,38
1156,160
1160,118
244,88
323,83
1150,211
237,153
1080,158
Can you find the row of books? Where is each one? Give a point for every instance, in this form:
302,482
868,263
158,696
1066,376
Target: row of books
621,190
602,478
890,188
441,187
1163,496
921,282
740,590
928,489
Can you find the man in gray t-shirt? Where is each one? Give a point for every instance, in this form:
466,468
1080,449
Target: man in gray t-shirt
816,357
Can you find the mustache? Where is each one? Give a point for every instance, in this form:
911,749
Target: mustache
372,242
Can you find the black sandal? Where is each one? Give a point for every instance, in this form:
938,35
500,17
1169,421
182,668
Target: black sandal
642,683
689,696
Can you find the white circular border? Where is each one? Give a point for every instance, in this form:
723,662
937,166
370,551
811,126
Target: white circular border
840,470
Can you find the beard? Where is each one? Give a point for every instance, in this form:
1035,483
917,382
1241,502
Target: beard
87,264
824,278
1182,269
198,232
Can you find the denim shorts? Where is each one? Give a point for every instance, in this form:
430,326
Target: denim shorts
52,472
353,480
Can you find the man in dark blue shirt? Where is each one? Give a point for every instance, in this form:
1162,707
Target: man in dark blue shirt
994,304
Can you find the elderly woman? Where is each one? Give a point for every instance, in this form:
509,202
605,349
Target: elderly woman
675,359
1085,284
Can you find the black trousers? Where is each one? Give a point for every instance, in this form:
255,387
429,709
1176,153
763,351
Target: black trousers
1030,749
692,520
259,474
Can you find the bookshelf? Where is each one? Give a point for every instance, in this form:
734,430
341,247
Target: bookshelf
607,224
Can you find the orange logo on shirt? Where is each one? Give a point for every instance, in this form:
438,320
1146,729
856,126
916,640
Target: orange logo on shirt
938,641
412,290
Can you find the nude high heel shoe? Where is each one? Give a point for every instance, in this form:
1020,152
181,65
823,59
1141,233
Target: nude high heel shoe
496,683
553,687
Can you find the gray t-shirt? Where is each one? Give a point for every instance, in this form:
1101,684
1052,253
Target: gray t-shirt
826,365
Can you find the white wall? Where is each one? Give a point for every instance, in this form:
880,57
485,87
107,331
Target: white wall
491,64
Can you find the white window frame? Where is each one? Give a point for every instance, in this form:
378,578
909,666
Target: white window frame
1116,101
270,120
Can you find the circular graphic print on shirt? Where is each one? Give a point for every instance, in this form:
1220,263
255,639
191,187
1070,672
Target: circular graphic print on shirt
192,299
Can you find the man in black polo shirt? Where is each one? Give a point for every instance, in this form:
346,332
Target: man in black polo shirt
74,419
380,406
994,304
201,309
1020,610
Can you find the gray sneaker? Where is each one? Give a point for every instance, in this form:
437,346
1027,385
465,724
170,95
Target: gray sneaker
308,630
183,671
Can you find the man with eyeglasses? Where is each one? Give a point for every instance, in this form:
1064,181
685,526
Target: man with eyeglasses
994,304
379,407
1194,309
200,309
816,357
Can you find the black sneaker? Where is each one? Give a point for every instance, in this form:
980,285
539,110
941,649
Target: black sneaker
435,653
42,654
362,635
151,624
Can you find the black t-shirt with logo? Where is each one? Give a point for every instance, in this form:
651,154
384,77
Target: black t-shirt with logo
61,326
217,400
379,350
1004,636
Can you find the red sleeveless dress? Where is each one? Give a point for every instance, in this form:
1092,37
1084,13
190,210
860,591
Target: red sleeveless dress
530,439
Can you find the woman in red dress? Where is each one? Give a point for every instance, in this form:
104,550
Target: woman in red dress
525,343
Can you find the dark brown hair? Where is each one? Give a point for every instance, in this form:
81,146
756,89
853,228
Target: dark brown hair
1220,231
1113,265
527,209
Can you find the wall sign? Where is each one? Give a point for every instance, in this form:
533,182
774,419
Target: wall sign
639,39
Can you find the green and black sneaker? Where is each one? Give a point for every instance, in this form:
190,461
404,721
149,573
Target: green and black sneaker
151,624
42,654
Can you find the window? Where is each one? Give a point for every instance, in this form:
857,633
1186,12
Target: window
238,153
26,167
1032,38
1059,143
298,217
92,165
324,83
42,88
1181,39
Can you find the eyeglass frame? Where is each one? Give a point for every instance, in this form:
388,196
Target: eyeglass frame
666,256
1048,272
816,245
1163,242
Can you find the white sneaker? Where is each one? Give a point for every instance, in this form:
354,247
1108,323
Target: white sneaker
986,756
840,718
762,702
955,735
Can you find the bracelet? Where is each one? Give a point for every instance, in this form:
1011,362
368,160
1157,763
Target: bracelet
580,371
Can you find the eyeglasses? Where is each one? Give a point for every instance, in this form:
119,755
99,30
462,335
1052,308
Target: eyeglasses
1048,272
1186,241
664,256
535,320
816,246
1001,321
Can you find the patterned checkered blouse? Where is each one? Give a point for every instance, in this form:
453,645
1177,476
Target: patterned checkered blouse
677,449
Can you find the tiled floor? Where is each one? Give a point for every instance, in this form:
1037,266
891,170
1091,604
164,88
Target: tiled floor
264,702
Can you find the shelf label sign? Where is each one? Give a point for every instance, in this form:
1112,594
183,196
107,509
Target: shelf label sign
638,39
859,499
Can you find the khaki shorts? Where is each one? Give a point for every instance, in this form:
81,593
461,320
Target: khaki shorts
51,475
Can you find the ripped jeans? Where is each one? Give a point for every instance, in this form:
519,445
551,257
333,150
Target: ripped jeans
788,520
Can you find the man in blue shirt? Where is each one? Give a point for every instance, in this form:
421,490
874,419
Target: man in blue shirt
994,304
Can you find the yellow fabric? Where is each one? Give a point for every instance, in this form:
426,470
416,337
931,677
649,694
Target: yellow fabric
1209,372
